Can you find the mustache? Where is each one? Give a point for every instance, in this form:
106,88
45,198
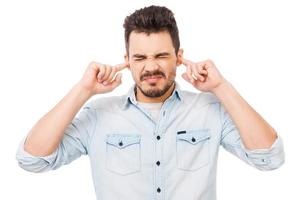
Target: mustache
154,73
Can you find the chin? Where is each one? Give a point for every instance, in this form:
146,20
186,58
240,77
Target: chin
157,85
156,89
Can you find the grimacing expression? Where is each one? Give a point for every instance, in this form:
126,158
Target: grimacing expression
153,62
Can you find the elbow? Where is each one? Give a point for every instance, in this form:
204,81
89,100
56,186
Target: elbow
267,159
268,163
38,149
35,165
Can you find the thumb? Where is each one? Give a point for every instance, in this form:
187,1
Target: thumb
117,81
185,77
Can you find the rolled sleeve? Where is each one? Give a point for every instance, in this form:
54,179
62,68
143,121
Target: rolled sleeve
32,163
266,159
74,143
262,159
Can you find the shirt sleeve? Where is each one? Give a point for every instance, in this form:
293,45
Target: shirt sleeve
262,159
75,143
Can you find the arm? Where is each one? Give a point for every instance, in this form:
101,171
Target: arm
48,132
244,132
255,132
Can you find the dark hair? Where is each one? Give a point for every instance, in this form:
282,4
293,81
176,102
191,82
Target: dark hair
152,19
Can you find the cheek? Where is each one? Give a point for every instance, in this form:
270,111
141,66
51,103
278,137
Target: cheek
172,73
165,63
135,73
171,69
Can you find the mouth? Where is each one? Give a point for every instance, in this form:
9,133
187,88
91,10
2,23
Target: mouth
152,79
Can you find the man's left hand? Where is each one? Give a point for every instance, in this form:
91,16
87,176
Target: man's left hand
204,75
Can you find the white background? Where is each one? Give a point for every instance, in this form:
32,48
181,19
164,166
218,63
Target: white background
45,46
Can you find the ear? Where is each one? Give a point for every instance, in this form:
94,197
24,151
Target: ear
126,59
179,57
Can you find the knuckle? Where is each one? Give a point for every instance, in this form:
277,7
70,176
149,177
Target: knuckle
102,70
100,75
109,68
106,76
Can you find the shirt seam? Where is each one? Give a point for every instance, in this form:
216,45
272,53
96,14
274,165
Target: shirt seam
94,127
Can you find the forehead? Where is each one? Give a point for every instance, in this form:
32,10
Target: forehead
153,43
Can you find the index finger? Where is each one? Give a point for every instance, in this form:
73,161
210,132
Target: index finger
121,66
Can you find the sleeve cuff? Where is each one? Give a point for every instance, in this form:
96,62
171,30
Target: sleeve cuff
266,159
23,155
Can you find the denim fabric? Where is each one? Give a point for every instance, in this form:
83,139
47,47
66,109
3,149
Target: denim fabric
135,157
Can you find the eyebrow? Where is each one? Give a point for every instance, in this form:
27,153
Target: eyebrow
156,55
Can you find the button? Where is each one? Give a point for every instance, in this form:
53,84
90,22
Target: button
158,137
120,143
193,139
157,163
164,113
158,190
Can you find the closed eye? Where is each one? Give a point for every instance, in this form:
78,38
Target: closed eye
139,59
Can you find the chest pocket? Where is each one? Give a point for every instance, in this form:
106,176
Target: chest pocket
123,153
192,149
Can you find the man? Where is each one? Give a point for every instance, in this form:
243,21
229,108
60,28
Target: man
157,141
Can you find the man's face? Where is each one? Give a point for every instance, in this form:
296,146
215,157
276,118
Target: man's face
153,62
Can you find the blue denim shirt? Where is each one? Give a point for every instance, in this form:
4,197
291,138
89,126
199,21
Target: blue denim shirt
134,157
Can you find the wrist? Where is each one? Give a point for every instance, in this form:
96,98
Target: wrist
221,88
83,91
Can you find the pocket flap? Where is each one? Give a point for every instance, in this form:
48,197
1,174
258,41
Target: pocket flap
194,136
122,141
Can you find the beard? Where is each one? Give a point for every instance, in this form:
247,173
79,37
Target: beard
156,92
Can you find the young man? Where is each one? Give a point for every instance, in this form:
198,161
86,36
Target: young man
157,141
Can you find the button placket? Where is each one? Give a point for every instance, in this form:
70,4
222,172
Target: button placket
159,135
158,172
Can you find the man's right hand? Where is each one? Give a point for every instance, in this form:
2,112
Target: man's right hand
100,78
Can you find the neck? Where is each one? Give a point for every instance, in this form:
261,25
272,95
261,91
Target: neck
142,98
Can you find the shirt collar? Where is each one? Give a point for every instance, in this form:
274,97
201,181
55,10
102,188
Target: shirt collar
130,97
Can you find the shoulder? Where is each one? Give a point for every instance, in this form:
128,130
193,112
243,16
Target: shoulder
200,99
107,102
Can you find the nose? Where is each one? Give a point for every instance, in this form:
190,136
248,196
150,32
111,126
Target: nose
151,65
